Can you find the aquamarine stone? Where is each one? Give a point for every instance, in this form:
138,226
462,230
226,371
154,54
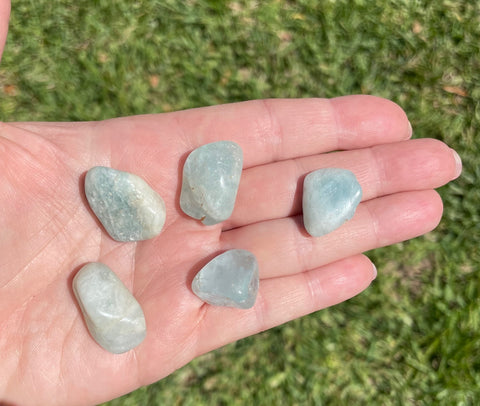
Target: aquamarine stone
230,279
211,176
330,197
128,208
113,316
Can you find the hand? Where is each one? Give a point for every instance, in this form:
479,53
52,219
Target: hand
48,232
4,15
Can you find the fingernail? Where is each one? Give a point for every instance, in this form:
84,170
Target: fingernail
458,163
374,271
410,133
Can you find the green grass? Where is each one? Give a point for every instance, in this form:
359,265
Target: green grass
414,336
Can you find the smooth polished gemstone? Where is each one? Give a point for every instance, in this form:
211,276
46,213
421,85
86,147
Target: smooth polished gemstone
113,316
211,176
230,279
330,197
128,208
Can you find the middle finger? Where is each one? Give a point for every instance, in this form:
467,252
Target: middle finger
275,190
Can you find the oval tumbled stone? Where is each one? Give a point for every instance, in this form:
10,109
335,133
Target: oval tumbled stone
211,176
330,197
230,279
113,316
128,208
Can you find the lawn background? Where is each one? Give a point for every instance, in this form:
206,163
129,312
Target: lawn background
414,336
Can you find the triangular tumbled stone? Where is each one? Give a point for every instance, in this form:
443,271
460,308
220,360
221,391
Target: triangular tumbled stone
330,197
230,279
128,208
113,316
211,176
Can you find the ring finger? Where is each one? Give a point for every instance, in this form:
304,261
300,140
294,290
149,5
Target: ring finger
282,247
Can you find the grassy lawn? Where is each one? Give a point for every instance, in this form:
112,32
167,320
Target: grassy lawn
414,336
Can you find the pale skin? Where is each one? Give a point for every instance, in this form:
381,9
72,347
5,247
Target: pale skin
48,232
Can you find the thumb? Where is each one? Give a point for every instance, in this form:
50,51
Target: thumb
4,16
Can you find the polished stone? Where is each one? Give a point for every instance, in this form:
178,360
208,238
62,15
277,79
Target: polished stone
230,279
330,197
113,316
128,208
211,176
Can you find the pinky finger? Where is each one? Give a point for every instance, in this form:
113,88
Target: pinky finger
286,298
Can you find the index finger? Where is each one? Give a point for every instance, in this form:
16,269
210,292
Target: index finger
278,129
267,130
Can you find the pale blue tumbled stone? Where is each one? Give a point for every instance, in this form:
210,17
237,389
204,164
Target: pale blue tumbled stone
330,197
230,279
113,316
211,176
128,208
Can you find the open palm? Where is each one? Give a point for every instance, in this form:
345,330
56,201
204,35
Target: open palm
48,232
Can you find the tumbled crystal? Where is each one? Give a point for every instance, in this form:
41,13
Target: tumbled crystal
230,279
330,197
128,208
211,176
113,316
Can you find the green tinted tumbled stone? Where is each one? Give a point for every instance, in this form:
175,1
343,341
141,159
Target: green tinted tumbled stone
211,176
230,279
113,316
330,197
128,208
